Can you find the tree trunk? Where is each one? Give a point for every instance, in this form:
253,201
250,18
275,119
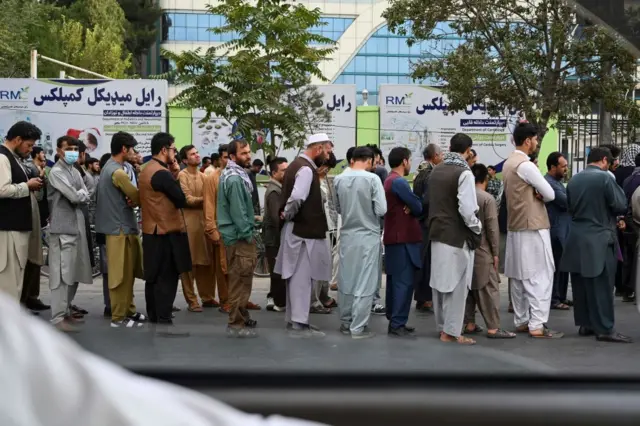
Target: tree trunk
604,125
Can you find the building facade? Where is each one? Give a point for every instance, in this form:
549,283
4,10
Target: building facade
367,53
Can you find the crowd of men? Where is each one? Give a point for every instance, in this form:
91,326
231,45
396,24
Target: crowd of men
441,239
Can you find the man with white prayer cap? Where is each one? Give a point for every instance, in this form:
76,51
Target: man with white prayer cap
304,254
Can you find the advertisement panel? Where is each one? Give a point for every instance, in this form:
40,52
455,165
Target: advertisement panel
415,116
91,110
339,99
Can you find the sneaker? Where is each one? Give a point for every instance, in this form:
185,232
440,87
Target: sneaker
270,304
364,335
251,323
175,309
276,308
241,332
378,309
345,330
138,317
126,323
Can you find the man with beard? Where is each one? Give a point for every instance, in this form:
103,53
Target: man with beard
236,222
454,231
277,296
361,202
432,155
595,201
304,254
529,256
165,244
560,221
16,221
402,242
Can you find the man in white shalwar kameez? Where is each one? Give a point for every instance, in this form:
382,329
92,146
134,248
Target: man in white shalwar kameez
69,261
16,221
304,254
361,202
454,232
529,261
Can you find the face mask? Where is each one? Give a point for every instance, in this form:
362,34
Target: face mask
71,157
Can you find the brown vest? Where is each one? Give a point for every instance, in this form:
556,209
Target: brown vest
445,223
159,215
524,210
310,221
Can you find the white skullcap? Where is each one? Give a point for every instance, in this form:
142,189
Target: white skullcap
317,138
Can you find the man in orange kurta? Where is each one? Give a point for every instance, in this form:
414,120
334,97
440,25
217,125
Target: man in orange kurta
192,184
219,259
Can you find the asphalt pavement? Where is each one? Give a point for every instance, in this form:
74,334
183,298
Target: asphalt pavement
207,347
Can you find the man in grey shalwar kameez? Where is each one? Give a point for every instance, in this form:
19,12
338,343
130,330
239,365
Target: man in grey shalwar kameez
304,253
69,261
361,202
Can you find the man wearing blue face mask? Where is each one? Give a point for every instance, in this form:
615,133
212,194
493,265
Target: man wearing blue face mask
69,261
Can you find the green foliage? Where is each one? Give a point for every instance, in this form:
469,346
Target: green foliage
525,54
255,77
142,25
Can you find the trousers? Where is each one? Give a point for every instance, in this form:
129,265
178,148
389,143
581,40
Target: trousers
30,283
354,311
278,287
160,293
203,277
241,262
220,278
398,296
299,289
61,298
560,279
487,299
532,299
120,248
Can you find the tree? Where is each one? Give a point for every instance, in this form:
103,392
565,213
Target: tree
252,78
527,54
143,17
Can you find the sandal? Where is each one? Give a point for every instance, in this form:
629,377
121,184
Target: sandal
319,310
253,306
522,328
477,329
561,306
194,309
332,304
501,334
465,341
547,333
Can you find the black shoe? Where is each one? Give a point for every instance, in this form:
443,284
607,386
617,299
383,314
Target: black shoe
613,338
410,329
631,297
251,323
37,305
586,331
79,310
400,332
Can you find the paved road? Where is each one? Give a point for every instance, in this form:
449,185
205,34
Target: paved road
209,348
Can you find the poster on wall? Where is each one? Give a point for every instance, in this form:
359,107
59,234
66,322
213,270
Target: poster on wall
338,99
415,116
91,110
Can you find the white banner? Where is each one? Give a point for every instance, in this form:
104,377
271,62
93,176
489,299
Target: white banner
91,110
415,116
339,99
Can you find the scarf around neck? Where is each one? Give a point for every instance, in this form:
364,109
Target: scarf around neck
629,155
233,169
455,159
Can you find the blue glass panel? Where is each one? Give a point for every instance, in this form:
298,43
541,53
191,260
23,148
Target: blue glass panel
392,79
404,80
381,63
172,34
403,65
216,21
351,67
203,34
372,82
192,20
171,18
360,64
192,34
180,20
329,24
373,46
361,82
373,99
351,79
339,80
339,24
203,20
392,44
382,44
383,79
383,31
371,64
403,49
181,34
393,66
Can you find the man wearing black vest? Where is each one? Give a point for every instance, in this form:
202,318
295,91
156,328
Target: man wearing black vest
15,205
304,253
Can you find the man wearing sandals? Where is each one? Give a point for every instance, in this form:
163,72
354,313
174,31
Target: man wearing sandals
485,285
454,232
529,257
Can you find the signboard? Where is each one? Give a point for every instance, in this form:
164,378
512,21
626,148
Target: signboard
339,99
91,110
415,116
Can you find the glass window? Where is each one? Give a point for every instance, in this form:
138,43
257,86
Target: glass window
339,24
371,64
351,79
383,31
180,20
381,64
181,34
192,34
192,20
403,65
373,46
361,82
339,80
403,48
383,79
372,82
360,64
329,26
203,20
172,34
392,66
392,79
351,67
382,45
203,34
392,44
215,20
373,99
